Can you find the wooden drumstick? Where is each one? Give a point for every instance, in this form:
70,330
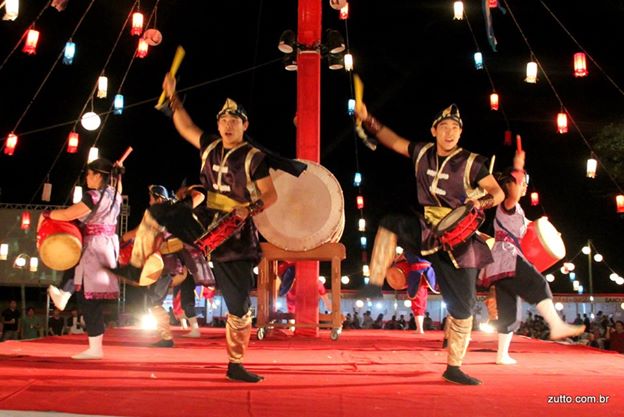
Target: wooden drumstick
358,87
124,156
177,60
492,163
518,143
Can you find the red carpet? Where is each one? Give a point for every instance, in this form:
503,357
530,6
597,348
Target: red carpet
364,373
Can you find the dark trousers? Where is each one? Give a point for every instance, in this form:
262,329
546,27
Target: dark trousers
93,312
156,293
527,284
235,279
186,291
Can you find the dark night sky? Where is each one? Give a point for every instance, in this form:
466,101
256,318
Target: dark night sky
414,60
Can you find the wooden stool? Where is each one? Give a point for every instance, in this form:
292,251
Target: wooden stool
267,285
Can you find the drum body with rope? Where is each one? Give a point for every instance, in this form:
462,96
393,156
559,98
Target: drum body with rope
458,226
542,244
59,244
309,211
397,275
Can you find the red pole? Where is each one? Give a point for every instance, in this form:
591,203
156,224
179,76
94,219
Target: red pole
308,145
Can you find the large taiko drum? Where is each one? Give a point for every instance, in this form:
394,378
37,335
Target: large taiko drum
397,275
59,244
309,210
542,244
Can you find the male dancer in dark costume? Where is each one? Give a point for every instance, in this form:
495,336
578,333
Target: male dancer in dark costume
447,177
236,177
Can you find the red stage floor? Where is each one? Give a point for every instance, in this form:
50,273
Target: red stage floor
364,373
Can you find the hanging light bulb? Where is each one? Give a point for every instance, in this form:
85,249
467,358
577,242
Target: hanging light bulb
351,107
73,140
360,202
344,12
20,261
10,144
534,198
344,279
357,179
102,89
562,123
25,222
586,250
94,153
569,266
592,164
141,51
399,250
4,251
11,10
77,197
137,24
598,257
363,242
322,279
580,65
478,60
34,264
118,104
531,72
361,225
69,52
32,38
458,10
494,101
550,277
90,120
619,203
348,62
46,194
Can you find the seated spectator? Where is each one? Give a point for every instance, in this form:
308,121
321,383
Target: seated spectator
428,322
367,322
11,321
378,324
615,337
402,322
31,327
75,323
56,323
392,324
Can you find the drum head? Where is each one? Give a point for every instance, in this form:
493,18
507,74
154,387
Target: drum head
450,220
309,210
550,238
60,251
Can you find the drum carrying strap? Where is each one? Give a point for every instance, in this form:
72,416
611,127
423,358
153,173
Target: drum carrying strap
511,235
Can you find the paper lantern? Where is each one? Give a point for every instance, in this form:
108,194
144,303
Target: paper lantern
357,179
32,38
90,120
534,199
348,62
363,242
102,89
10,144
360,202
619,203
494,101
531,72
362,225
73,140
94,153
337,4
11,10
118,104
34,264
458,10
69,53
478,60
562,123
365,270
137,24
580,65
344,12
351,107
4,251
507,141
46,194
77,196
492,4
153,37
141,51
25,222
592,164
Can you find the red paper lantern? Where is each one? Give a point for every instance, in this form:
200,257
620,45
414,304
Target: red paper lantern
507,141
493,4
360,202
344,12
141,51
534,199
72,142
580,65
11,143
619,202
25,224
137,24
494,101
32,38
562,123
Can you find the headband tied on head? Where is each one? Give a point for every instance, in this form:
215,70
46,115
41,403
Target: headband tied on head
158,191
232,108
451,112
